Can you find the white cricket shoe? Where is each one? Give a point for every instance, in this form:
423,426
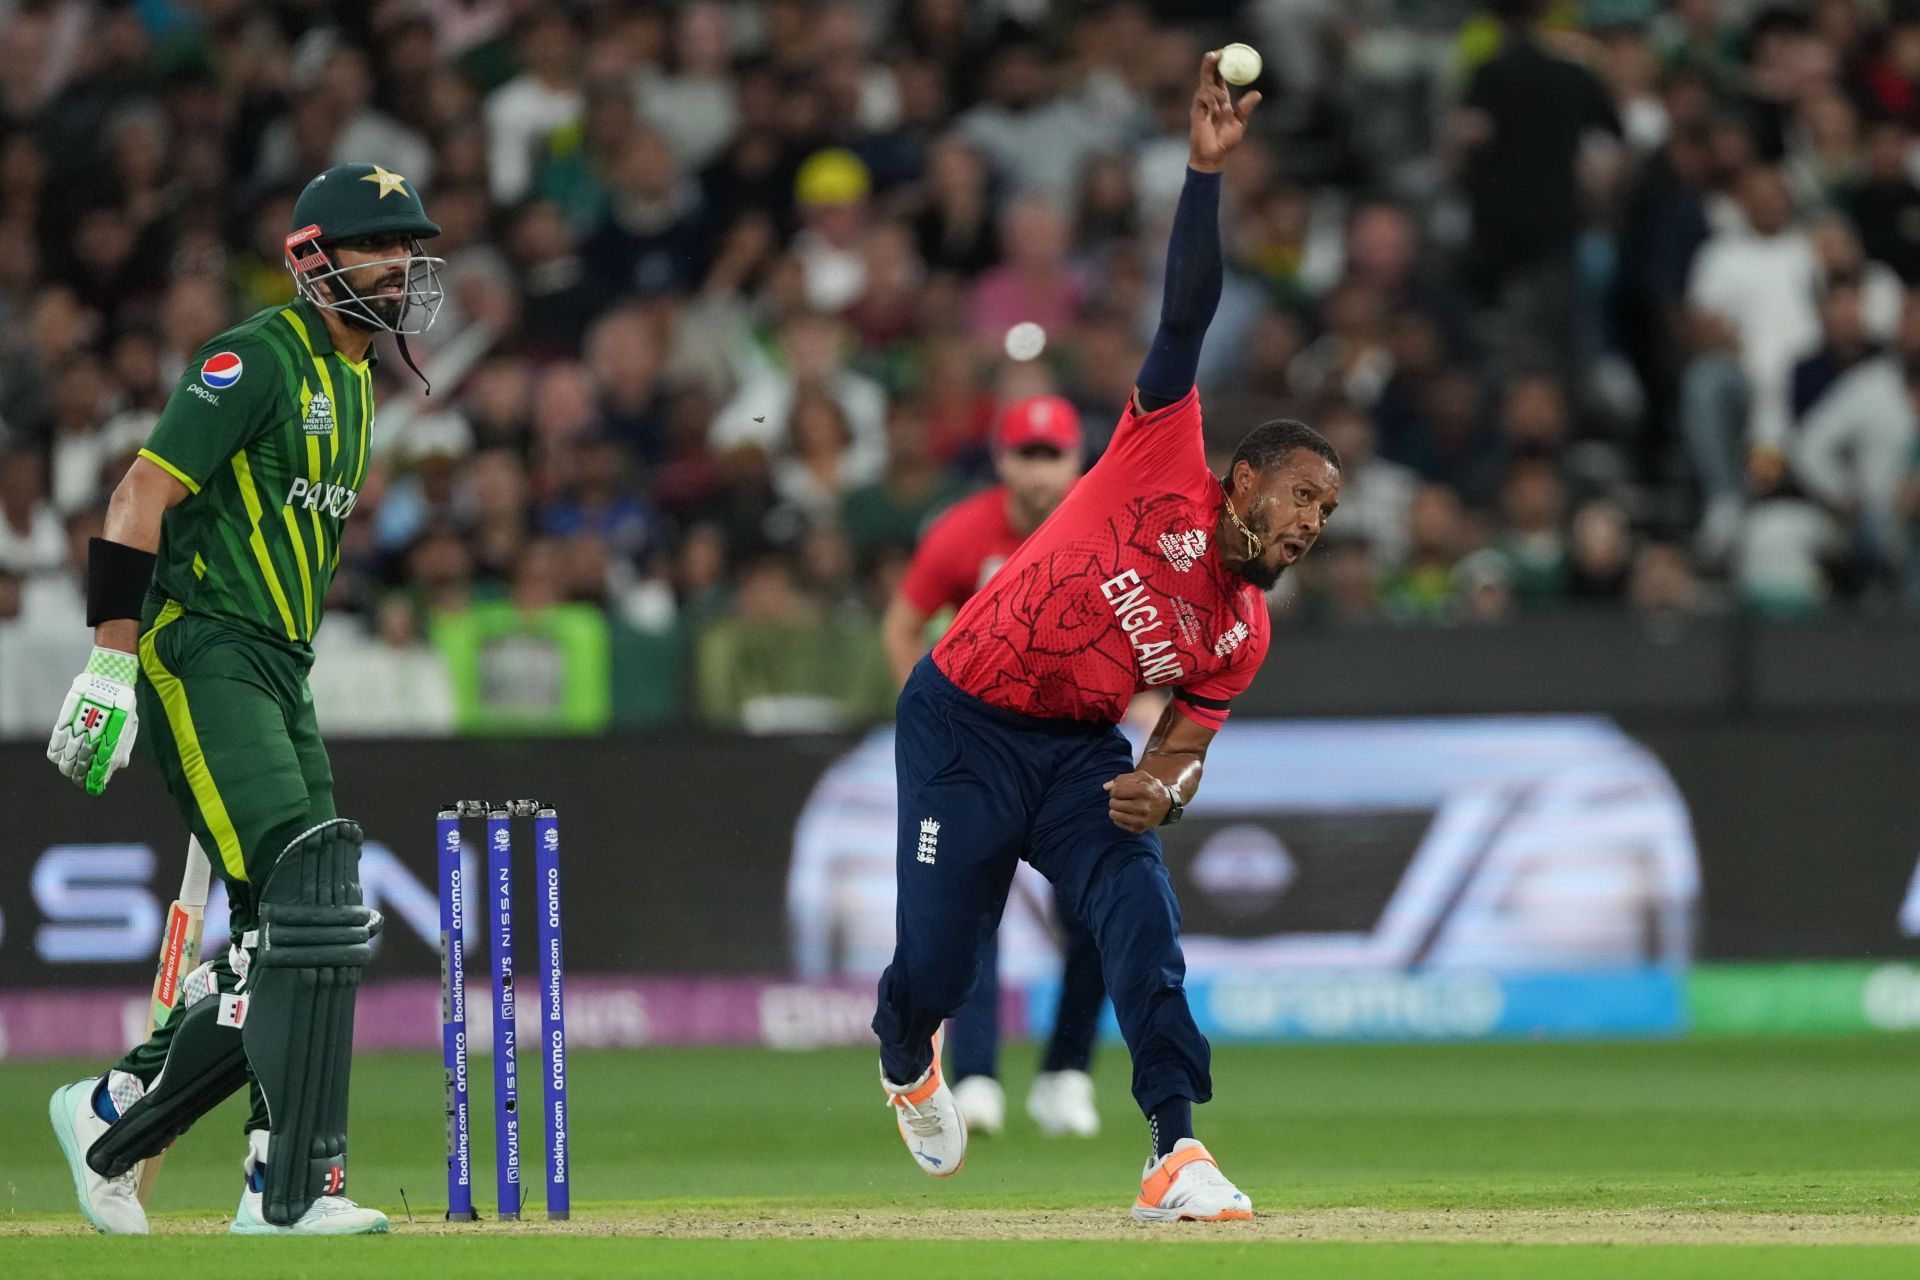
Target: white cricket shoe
930,1121
1061,1103
1186,1185
983,1105
327,1216
110,1205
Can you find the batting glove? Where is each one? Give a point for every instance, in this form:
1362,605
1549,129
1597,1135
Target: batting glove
94,735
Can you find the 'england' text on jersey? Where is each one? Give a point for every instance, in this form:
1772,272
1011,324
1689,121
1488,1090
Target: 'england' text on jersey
337,500
1122,589
1139,618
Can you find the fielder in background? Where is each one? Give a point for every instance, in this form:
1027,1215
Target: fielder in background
1152,574
204,596
1037,456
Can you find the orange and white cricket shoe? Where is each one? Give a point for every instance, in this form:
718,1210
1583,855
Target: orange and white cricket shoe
1185,1185
930,1121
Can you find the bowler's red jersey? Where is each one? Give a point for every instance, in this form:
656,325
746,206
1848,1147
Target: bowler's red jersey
1120,590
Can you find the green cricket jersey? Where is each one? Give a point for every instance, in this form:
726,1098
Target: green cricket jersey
269,430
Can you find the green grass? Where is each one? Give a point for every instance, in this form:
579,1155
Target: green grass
892,1259
1717,1127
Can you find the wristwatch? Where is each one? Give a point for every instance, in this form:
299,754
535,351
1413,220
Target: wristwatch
1175,810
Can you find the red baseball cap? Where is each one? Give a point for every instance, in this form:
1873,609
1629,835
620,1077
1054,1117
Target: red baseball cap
1039,420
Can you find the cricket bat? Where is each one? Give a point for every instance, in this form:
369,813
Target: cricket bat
179,956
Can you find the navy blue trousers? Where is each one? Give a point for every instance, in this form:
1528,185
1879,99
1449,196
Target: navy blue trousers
974,1036
981,787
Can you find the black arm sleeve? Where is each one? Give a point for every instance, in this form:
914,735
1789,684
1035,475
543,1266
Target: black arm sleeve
1192,292
117,580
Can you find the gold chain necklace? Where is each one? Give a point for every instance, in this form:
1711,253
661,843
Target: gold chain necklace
1254,545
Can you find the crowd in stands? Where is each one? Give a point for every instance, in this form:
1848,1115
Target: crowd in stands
1607,304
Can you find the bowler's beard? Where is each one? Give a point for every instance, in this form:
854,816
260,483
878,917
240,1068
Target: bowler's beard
1256,571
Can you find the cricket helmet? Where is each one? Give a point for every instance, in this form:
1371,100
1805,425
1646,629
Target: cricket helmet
349,202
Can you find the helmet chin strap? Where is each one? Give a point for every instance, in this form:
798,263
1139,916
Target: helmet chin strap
400,339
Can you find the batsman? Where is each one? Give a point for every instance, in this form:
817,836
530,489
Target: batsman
204,595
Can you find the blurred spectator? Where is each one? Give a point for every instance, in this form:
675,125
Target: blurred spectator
829,573
1036,136
1525,117
31,540
1630,67
956,227
653,238
812,353
387,683
1375,494
1600,554
1352,579
559,297
723,279
1351,358
1035,282
1663,581
1106,211
1382,252
1752,296
1484,588
593,494
817,471
578,175
886,315
776,665
623,358
1885,204
1422,590
79,447
56,601
1663,225
1837,249
523,114
1844,343
700,574
694,105
1823,146
1531,541
893,510
532,663
1854,453
1263,387
831,190
441,570
494,510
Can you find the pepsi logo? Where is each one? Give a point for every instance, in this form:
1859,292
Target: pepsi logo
221,371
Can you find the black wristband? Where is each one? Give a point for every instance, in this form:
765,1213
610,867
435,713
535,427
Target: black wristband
117,580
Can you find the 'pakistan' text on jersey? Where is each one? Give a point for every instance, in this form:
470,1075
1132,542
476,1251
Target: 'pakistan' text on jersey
269,429
1119,591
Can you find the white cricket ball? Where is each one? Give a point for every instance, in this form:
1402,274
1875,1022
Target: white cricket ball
1026,340
1239,64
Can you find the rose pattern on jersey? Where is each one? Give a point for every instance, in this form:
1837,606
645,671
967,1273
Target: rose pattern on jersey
1054,640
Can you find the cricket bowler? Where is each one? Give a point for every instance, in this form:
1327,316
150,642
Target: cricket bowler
204,595
1152,574
1037,455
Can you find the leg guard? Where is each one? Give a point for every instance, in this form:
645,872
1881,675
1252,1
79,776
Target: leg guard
205,1063
314,936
